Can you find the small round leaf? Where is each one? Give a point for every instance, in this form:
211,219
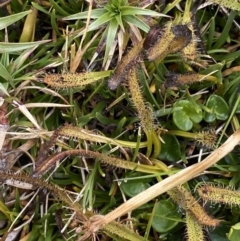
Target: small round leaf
188,115
170,150
166,216
218,109
133,187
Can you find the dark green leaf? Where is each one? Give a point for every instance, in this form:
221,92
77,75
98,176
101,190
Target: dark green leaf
166,216
170,150
185,118
218,109
6,21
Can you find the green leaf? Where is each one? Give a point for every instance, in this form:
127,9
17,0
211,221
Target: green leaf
96,13
120,22
4,209
40,8
111,33
234,234
170,150
133,187
137,22
6,21
3,89
211,33
19,61
13,47
219,233
123,2
225,32
58,8
105,120
166,216
54,24
185,118
128,10
218,109
4,73
100,21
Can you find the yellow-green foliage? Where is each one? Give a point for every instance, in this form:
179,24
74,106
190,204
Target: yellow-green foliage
105,159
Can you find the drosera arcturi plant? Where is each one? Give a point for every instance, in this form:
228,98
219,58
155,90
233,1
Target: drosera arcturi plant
185,199
180,37
154,46
105,159
172,40
68,80
195,216
145,114
79,133
178,80
131,59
